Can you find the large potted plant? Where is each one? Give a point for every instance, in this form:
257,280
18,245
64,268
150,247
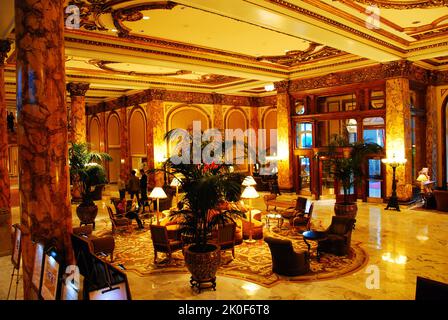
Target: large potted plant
86,168
346,166
206,186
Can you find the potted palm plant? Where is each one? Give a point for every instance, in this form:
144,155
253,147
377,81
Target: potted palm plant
346,166
86,169
206,187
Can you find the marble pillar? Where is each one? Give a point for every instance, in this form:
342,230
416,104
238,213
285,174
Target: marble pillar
254,123
125,161
42,130
398,135
431,131
77,92
284,147
5,197
155,139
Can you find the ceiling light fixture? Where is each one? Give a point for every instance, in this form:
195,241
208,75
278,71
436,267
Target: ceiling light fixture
114,30
145,18
269,87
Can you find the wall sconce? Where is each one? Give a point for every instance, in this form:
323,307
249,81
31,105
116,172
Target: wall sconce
122,161
269,87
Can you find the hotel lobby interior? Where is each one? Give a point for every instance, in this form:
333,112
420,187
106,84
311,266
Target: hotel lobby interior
336,191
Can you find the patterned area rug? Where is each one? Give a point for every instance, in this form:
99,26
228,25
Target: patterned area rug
252,262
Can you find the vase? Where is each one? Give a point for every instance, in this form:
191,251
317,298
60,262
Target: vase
202,264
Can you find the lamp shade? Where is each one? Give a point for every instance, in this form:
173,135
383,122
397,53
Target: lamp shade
158,193
249,193
249,181
422,178
175,182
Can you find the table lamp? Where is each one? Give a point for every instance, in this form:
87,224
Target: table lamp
249,181
157,193
250,193
176,182
394,163
422,178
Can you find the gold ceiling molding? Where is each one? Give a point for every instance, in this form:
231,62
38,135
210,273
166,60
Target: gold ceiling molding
403,5
339,25
134,13
296,57
105,65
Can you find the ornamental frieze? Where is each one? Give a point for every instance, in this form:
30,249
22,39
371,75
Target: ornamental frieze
403,5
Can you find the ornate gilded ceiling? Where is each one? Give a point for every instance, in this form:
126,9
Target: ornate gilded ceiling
239,46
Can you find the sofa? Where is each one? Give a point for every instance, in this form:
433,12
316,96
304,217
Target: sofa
441,198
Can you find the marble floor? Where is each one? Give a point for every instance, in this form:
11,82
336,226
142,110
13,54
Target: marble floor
401,246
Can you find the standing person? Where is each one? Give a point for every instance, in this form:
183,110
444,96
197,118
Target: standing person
134,186
121,188
10,120
143,188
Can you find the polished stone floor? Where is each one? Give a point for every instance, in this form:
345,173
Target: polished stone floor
401,246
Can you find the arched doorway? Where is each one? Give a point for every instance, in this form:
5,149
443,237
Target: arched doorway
113,146
94,136
137,138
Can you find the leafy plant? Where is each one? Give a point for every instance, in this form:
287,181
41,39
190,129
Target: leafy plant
348,170
85,167
206,186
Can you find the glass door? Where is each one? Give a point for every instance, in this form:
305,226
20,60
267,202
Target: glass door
375,180
327,181
305,174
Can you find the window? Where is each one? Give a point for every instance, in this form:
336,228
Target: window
304,135
374,130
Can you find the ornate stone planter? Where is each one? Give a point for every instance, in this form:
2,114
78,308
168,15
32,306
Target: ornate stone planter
87,214
346,210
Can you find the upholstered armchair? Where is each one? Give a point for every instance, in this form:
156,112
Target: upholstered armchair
119,222
298,209
97,245
286,261
302,221
339,235
161,242
225,237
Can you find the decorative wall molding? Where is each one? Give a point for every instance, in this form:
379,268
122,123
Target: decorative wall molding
282,86
401,68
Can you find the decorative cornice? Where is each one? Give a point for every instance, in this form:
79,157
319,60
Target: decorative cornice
268,101
404,5
439,78
282,86
78,89
157,94
401,68
5,47
217,98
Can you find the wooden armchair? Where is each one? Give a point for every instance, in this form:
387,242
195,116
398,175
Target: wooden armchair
302,221
339,235
286,261
161,242
226,237
119,222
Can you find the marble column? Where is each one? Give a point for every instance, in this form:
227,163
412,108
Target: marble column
125,161
77,92
42,129
285,174
254,124
398,135
5,197
431,131
155,137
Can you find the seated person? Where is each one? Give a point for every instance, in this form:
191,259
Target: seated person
130,212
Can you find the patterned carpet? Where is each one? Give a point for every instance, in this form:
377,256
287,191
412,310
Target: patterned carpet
252,261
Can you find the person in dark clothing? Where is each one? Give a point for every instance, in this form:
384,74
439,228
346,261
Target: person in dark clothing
134,186
10,121
143,188
130,210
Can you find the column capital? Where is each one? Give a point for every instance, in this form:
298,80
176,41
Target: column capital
217,98
282,86
5,47
78,89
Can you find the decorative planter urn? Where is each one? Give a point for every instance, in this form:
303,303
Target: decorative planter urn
203,265
346,210
87,214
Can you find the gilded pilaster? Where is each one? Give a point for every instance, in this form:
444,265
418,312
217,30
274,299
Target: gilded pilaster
431,131
77,92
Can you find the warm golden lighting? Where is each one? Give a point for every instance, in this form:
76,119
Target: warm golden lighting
395,259
249,181
394,161
157,193
249,193
250,288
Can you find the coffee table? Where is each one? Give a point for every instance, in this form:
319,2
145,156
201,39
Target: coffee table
314,236
274,216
